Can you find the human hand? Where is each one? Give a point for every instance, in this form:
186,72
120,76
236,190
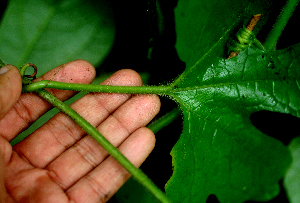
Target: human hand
58,163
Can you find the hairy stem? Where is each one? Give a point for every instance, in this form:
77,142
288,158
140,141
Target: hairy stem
161,90
283,18
113,151
38,87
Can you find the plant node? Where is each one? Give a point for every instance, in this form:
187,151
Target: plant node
245,37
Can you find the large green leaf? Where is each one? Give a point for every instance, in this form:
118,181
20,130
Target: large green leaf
220,152
50,32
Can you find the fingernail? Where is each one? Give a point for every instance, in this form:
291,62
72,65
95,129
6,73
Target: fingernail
4,69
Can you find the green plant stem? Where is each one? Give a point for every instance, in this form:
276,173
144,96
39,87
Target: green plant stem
38,87
113,151
271,41
165,120
161,90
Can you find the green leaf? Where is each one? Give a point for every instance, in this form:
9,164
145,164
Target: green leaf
292,177
220,152
49,33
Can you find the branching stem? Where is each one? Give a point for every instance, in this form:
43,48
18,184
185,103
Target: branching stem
38,88
113,151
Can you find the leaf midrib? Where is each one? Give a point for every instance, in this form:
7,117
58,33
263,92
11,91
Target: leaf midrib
183,89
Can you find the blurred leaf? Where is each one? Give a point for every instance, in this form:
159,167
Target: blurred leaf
51,32
292,177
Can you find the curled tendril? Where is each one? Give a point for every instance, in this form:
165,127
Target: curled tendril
25,67
245,38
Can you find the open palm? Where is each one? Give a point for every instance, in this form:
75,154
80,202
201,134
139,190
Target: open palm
59,162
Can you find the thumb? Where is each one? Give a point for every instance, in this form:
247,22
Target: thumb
10,88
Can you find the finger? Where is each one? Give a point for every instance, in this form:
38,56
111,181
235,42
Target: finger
2,180
10,88
30,107
87,154
61,132
101,183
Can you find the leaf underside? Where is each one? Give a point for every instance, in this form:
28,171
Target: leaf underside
220,152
